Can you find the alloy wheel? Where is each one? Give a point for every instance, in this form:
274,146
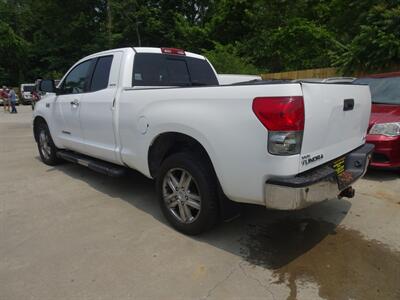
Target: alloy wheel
181,195
44,144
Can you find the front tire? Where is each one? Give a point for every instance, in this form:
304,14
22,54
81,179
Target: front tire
187,192
46,147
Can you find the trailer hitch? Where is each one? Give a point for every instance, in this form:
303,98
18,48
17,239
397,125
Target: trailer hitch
348,193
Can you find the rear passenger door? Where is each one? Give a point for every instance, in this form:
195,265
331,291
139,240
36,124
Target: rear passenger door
97,108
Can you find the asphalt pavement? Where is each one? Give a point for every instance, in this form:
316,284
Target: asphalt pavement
67,232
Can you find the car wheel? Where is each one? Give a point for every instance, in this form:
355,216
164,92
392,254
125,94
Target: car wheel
187,191
46,147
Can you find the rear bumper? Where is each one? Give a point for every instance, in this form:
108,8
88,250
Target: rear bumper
318,184
387,151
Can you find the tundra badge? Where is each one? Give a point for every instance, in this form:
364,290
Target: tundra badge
307,159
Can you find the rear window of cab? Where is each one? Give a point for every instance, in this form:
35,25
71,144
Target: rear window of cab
152,69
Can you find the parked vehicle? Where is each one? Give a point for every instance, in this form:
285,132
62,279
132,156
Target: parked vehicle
162,112
339,79
328,80
25,91
384,126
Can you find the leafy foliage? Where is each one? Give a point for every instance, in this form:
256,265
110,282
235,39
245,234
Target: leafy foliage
226,59
301,44
377,45
40,38
12,53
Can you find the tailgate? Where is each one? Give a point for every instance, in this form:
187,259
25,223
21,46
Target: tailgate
336,121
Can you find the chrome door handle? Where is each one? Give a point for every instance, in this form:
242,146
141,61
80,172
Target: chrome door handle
75,102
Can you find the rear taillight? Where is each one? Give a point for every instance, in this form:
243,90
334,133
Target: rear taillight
173,51
284,119
280,113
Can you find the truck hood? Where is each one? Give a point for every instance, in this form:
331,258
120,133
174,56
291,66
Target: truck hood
384,113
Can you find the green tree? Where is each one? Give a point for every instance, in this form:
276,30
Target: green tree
62,34
377,45
226,59
44,37
12,55
300,44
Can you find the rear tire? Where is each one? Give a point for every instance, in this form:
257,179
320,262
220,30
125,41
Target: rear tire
46,147
187,192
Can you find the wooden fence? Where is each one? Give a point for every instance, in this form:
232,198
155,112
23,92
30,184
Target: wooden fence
303,74
324,73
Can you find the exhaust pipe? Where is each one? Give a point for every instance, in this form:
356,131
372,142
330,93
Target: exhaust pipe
348,193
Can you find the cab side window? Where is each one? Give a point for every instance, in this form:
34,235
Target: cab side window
75,82
101,74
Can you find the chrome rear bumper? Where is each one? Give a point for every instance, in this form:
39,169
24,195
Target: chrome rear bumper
318,184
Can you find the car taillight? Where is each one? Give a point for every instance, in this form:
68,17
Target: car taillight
284,119
173,51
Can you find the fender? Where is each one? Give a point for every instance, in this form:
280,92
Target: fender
44,110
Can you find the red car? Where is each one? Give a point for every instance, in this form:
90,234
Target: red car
384,125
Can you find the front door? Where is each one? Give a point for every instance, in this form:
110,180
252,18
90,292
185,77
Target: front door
68,107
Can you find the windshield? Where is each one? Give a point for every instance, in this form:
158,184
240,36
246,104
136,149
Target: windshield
383,90
28,88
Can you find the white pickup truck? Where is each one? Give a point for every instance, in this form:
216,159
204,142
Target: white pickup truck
162,112
26,92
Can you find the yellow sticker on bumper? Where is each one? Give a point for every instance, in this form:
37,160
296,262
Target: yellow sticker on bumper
339,165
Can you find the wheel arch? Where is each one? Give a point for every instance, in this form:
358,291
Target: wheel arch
36,122
167,143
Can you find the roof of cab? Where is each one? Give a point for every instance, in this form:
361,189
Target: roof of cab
158,50
137,50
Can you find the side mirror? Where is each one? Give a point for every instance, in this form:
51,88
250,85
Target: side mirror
47,86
